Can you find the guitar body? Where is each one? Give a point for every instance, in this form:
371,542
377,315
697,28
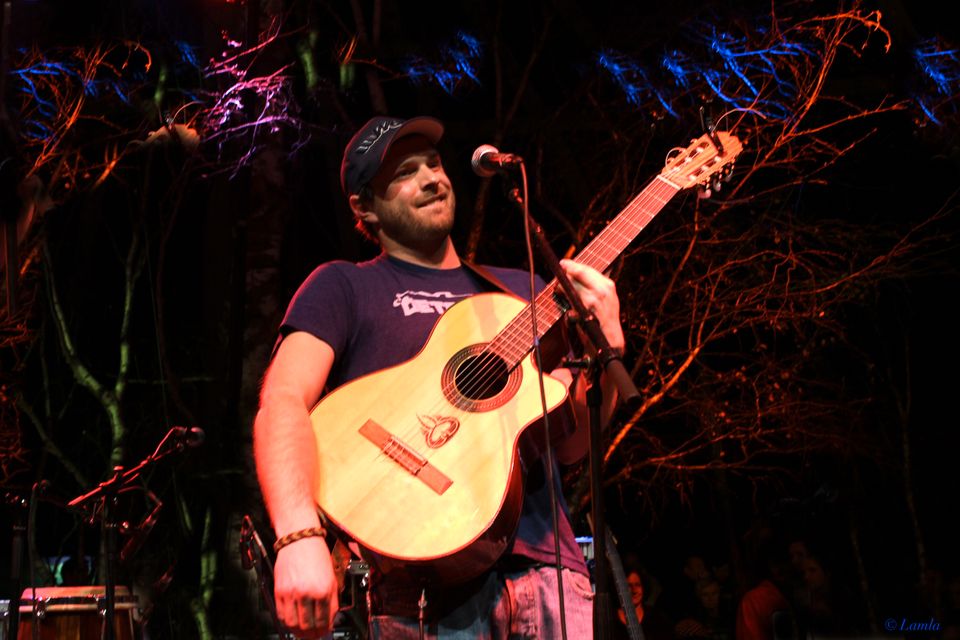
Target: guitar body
420,467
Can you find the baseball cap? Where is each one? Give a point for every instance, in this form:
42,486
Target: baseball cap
367,148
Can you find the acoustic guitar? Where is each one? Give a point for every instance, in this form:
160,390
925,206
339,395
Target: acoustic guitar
419,462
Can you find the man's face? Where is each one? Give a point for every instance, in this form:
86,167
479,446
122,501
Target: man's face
412,195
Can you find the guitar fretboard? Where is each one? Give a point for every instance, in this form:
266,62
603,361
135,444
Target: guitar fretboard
515,341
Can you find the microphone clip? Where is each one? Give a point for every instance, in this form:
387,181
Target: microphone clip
187,437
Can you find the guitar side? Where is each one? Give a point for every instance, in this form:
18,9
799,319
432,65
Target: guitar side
413,472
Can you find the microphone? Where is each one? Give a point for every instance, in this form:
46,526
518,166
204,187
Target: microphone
188,436
487,160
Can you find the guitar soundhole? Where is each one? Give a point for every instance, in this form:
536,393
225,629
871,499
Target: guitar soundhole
479,381
481,377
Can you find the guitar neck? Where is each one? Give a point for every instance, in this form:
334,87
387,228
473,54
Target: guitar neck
515,341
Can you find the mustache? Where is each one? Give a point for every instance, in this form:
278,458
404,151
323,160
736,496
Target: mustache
433,198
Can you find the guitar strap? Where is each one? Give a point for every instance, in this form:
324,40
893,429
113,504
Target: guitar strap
484,274
555,342
555,346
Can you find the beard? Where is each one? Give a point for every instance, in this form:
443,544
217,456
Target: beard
422,230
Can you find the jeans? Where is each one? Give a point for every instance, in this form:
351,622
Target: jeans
511,605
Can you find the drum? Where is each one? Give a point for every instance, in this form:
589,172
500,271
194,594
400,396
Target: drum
74,613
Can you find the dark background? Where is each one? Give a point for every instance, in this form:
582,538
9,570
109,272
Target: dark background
226,230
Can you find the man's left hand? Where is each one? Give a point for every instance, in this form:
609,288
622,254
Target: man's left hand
599,296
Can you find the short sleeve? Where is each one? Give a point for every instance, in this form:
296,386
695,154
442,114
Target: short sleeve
324,307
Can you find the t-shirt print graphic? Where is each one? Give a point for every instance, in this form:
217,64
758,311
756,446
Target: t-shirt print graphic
426,302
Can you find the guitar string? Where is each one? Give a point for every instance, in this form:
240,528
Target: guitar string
518,335
617,236
621,231
659,190
662,193
481,381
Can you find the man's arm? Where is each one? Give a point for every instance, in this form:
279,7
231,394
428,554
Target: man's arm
305,587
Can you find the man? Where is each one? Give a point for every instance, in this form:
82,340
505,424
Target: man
348,320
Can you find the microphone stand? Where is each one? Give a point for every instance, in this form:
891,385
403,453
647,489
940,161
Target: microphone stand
607,361
19,505
254,556
106,495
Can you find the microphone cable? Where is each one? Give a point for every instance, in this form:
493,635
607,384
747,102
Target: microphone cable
548,457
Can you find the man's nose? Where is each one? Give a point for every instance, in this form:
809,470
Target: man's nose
428,176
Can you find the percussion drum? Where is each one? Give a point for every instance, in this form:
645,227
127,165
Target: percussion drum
74,613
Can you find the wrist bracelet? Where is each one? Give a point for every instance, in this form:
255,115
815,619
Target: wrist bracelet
290,538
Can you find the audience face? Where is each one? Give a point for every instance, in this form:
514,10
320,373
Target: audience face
636,588
722,572
953,594
813,574
695,568
709,594
798,553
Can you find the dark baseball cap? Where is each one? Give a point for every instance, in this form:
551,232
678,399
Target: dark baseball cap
367,148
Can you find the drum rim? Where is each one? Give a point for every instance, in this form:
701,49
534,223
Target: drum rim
91,602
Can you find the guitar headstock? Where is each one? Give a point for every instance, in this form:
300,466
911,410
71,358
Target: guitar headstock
703,162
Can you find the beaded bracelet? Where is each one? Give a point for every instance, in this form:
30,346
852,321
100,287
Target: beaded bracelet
290,538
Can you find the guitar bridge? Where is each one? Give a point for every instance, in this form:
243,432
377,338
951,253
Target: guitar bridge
404,455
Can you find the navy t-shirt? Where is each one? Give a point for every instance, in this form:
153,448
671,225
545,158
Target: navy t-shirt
380,313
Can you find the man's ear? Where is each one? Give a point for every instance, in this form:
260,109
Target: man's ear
362,210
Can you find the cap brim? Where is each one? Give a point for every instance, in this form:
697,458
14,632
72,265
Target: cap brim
430,128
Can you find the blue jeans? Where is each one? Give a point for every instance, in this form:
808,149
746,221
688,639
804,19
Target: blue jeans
512,605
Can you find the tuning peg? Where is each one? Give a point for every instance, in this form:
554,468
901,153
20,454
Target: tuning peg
704,193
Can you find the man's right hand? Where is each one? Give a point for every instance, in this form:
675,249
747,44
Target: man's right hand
305,587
